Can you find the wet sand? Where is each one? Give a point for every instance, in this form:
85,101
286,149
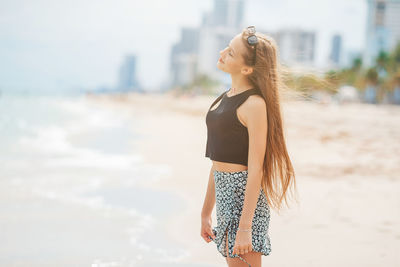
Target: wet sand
346,159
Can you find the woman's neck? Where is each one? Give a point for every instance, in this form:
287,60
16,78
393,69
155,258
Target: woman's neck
240,84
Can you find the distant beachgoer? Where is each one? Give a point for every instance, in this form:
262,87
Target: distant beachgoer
251,170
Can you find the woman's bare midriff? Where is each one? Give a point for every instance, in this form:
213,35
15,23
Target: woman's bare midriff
228,167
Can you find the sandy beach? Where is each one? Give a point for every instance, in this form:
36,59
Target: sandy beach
347,165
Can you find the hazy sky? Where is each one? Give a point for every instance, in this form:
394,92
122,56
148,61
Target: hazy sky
62,44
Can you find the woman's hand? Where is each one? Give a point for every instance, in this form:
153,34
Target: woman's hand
243,243
206,229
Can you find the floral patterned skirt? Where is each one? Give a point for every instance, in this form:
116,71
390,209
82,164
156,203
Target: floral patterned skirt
229,190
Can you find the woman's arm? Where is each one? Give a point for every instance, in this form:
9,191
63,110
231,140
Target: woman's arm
256,122
209,200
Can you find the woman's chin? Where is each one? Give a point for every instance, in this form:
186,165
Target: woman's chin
222,69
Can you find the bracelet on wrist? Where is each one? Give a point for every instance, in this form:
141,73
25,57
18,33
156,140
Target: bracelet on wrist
244,230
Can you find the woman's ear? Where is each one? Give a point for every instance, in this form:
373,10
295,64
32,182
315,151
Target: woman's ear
246,70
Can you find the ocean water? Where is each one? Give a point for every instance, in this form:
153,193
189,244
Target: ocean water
70,190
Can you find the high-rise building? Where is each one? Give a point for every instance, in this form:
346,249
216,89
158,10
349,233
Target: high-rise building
383,28
225,13
197,52
212,41
218,27
296,47
184,57
336,50
127,75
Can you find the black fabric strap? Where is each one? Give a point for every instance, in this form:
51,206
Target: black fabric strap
216,100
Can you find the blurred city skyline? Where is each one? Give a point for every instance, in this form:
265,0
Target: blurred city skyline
69,44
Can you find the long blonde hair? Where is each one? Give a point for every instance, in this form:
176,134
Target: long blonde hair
278,172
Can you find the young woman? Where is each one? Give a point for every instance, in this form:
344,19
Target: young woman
251,170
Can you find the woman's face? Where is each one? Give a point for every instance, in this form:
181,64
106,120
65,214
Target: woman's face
231,60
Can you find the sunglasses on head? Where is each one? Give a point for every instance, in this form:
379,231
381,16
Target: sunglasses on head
252,40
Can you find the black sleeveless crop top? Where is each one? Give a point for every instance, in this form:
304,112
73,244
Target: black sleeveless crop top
227,137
